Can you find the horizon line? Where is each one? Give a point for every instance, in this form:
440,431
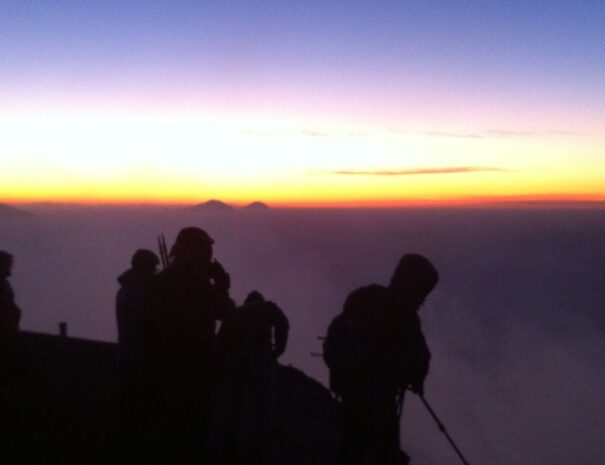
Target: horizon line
525,202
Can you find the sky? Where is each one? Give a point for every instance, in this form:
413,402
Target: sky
316,103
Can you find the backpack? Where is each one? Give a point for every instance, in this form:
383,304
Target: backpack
346,352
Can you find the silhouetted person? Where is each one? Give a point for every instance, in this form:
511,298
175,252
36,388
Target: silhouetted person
179,335
132,300
375,349
10,363
250,341
10,314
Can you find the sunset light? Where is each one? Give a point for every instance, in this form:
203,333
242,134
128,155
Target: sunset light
277,121
285,232
186,158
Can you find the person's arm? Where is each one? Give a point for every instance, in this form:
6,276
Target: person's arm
418,355
281,327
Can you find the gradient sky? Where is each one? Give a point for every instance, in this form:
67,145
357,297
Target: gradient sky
315,102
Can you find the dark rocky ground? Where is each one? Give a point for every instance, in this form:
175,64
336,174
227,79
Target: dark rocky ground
66,408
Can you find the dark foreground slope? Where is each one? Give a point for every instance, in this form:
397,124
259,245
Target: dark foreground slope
66,411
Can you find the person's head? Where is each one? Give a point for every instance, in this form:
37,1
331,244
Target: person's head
193,246
6,264
254,297
414,279
144,261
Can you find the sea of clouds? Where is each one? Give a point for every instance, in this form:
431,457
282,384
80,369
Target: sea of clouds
516,325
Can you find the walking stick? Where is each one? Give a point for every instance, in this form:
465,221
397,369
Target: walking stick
163,252
442,429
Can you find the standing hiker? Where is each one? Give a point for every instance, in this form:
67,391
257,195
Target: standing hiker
188,298
10,314
12,370
250,341
132,300
375,349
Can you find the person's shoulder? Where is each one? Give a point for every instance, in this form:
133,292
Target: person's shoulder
127,278
370,289
166,276
338,322
162,282
273,310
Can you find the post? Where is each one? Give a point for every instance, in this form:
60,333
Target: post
63,329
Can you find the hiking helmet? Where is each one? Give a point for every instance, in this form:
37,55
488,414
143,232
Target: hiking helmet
416,276
192,243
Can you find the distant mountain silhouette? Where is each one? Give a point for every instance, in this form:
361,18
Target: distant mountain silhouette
213,205
257,206
8,211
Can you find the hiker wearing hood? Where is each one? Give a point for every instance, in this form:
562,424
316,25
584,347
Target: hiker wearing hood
375,350
131,301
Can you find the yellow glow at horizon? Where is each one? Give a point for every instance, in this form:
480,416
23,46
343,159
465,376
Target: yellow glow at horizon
192,157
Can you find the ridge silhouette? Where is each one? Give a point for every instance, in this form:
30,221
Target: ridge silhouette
69,410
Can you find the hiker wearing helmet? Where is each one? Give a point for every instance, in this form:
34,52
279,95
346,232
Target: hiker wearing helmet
375,349
188,298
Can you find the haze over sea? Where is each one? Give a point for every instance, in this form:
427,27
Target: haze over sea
516,325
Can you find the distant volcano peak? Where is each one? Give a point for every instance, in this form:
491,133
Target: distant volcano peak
213,205
257,206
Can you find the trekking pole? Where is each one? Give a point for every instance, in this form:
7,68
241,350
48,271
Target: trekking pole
442,429
163,251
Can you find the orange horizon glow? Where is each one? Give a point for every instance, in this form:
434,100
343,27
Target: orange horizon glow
464,117
511,201
126,158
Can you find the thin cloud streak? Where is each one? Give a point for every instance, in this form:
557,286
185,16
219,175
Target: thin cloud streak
421,171
512,133
488,134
